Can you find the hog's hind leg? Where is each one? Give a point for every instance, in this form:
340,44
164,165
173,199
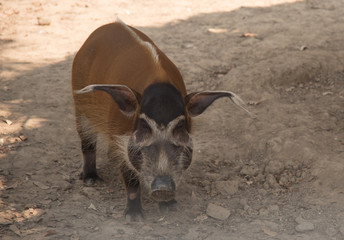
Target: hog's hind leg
89,174
88,148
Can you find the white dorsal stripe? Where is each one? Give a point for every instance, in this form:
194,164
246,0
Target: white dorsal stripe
147,45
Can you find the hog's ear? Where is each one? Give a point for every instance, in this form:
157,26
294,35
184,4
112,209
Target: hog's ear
197,102
126,98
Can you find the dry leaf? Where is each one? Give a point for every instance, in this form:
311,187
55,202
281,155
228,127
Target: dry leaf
269,232
9,122
49,233
201,218
249,35
327,93
255,103
92,207
14,229
43,21
41,185
217,30
22,137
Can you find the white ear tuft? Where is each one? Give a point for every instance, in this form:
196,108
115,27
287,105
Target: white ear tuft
238,101
87,89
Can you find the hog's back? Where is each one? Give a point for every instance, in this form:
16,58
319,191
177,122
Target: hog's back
113,54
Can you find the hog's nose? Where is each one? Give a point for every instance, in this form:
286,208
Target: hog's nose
163,188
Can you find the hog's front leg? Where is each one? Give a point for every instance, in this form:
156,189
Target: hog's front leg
133,211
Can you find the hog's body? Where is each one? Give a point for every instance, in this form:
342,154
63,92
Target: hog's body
140,93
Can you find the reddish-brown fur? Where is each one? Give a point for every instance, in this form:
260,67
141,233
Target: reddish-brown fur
113,55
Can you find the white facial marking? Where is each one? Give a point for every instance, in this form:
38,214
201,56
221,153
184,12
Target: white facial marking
164,133
163,161
160,129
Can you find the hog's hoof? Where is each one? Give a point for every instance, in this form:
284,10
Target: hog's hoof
171,205
90,179
133,215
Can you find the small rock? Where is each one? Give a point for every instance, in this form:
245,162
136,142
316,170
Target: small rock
262,192
270,180
284,180
67,187
273,208
304,226
341,229
274,167
147,228
14,229
249,170
50,233
331,231
263,212
22,137
217,212
303,48
200,218
274,145
269,232
227,187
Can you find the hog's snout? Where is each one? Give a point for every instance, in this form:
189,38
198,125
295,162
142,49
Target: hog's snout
163,188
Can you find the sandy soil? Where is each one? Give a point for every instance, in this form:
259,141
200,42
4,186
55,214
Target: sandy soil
280,175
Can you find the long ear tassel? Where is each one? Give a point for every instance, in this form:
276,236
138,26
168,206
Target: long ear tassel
238,101
87,89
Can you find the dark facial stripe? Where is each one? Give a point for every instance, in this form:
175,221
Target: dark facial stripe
162,102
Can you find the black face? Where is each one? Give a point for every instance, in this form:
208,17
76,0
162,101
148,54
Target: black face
162,102
160,146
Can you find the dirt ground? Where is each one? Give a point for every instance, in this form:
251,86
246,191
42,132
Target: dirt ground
278,176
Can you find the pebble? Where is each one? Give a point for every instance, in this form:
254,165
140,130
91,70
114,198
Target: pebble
275,144
14,229
331,231
303,48
263,212
227,187
270,180
341,229
249,170
303,225
41,185
217,212
274,167
283,180
147,228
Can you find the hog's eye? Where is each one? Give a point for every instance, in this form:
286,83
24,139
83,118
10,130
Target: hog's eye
144,131
143,125
180,131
